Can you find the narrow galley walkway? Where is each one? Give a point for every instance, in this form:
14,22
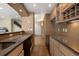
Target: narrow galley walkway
40,48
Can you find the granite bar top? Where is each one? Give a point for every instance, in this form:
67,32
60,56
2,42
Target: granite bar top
17,39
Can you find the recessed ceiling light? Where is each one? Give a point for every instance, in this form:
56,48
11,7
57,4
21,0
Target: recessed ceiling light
20,10
49,5
1,8
34,5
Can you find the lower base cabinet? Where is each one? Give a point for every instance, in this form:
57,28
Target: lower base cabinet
16,51
23,49
22,53
58,49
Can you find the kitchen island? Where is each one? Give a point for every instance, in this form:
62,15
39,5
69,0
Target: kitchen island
16,46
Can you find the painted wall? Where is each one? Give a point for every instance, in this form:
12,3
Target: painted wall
16,28
6,23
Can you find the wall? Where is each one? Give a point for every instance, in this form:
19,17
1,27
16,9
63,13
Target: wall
27,23
6,23
16,28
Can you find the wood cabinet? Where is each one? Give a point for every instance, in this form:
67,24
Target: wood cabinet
51,44
53,14
16,51
23,49
22,53
63,6
64,11
64,30
58,49
68,12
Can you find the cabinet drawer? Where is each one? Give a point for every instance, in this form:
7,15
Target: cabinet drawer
22,53
16,51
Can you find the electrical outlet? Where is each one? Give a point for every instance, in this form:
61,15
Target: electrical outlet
66,29
58,29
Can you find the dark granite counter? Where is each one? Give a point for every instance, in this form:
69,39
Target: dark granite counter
66,45
17,39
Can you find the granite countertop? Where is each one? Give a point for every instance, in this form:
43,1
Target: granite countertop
17,39
66,45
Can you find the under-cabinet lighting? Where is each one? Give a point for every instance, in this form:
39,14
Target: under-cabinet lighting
74,21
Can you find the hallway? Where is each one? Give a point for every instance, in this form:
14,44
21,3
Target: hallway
40,48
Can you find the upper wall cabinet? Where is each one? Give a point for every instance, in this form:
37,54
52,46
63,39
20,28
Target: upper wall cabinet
64,6
65,11
71,13
53,13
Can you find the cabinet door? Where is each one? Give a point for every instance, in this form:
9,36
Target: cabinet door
60,53
51,46
56,48
55,51
22,53
64,6
16,51
53,13
66,51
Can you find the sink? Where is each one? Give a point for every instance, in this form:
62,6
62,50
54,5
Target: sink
4,45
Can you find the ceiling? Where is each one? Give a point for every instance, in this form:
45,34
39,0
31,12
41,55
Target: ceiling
20,8
39,7
8,11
